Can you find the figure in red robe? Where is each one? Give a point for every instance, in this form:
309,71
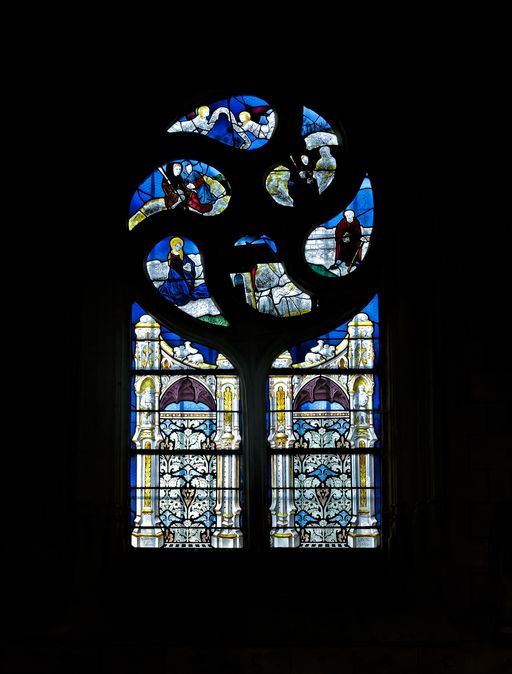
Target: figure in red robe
200,197
188,187
348,241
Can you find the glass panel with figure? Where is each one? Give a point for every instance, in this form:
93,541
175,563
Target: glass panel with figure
243,122
185,430
324,430
182,185
338,246
308,171
175,267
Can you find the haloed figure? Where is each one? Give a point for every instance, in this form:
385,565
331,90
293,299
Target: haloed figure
198,122
247,125
348,241
202,121
180,286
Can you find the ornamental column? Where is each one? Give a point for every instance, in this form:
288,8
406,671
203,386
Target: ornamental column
227,533
147,532
363,532
282,509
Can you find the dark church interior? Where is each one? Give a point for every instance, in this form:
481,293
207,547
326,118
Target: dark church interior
437,595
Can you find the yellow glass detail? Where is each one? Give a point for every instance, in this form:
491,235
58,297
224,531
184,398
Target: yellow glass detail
362,480
228,407
147,481
280,402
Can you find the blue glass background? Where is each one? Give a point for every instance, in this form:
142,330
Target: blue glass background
336,335
362,205
172,338
312,122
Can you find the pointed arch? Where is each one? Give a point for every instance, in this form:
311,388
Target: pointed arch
321,388
187,388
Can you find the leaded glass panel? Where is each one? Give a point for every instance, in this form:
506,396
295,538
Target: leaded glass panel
186,431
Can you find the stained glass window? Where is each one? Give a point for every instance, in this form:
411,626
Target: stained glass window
185,429
324,429
255,388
